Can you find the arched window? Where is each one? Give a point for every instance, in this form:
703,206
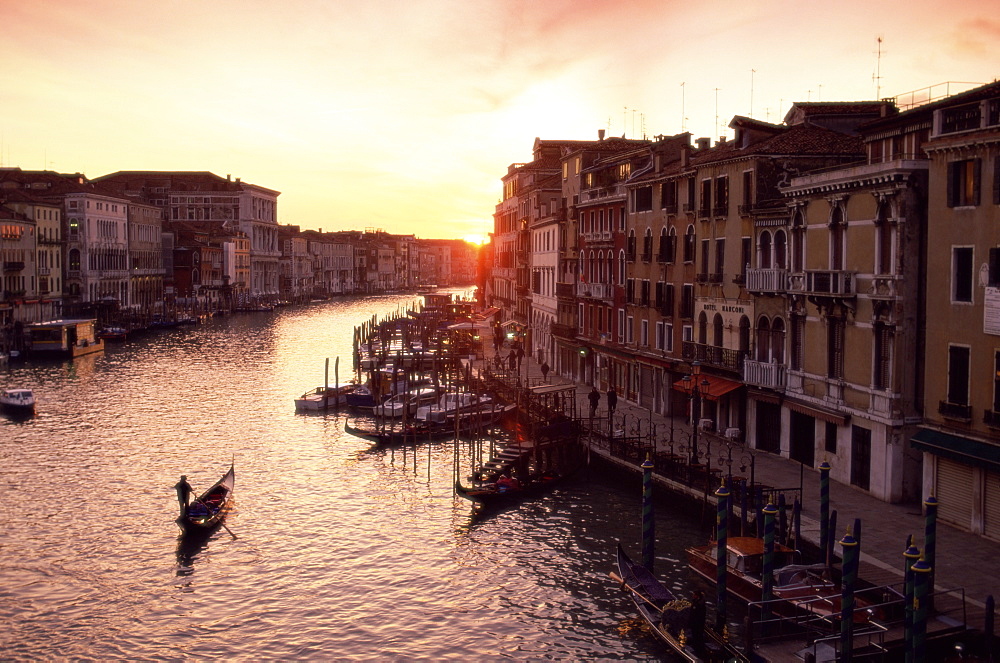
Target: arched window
884,241
647,245
717,331
663,250
744,334
798,242
702,328
763,339
778,340
611,267
631,245
621,267
601,265
779,250
672,245
689,244
764,250
837,236
74,260
592,271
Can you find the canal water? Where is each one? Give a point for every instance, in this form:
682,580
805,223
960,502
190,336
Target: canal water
342,552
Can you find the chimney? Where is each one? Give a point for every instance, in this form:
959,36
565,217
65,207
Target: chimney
685,154
228,177
703,143
600,134
722,140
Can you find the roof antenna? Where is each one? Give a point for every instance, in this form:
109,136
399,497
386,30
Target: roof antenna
877,76
752,72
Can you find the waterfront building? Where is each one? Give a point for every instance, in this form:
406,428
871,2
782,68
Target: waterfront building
959,437
17,259
145,260
297,269
46,279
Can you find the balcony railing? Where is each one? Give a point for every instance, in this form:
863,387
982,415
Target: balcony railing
767,280
563,331
704,212
744,209
991,418
764,374
565,290
595,290
881,403
726,358
689,207
670,209
883,287
720,210
824,283
13,265
955,411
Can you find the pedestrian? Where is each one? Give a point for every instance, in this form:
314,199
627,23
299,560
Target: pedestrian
512,359
520,356
545,371
612,401
184,491
595,398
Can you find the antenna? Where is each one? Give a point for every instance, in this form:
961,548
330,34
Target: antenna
752,72
624,121
683,119
877,76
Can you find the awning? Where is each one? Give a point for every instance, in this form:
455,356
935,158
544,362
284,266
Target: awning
821,413
493,310
958,448
716,386
512,323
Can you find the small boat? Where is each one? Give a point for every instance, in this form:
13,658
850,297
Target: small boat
19,402
207,511
113,334
407,403
323,398
679,623
798,588
454,403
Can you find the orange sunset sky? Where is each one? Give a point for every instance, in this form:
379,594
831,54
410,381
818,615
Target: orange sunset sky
404,115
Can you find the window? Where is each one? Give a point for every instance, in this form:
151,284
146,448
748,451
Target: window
883,231
705,204
630,291
647,245
664,249
835,347
720,258
703,272
746,245
721,196
689,244
631,245
644,199
658,340
631,329
961,276
963,182
884,337
994,268
958,375
644,333
764,250
621,267
798,242
748,189
621,324
837,237
831,438
687,301
668,196
798,324
579,318
687,333
645,293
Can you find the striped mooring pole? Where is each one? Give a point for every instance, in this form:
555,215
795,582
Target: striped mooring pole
848,580
721,545
910,555
930,544
824,507
648,515
921,588
767,577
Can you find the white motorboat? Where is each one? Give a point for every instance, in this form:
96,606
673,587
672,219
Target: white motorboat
451,404
18,401
407,403
323,398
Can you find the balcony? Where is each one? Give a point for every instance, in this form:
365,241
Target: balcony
13,265
720,210
767,281
882,403
705,213
883,287
823,283
715,279
689,207
955,411
764,374
670,209
595,290
725,358
745,209
563,331
565,290
991,418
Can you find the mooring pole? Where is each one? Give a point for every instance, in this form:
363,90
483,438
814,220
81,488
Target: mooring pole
721,544
848,580
824,508
921,590
910,555
767,577
648,515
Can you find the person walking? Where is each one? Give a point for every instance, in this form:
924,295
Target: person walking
595,398
612,401
545,372
520,356
184,491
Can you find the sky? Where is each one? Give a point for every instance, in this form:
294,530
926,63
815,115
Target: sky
404,115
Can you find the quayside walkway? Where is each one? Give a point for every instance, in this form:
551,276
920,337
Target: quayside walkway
963,560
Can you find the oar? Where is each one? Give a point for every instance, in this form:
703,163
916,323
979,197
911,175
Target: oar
221,522
624,584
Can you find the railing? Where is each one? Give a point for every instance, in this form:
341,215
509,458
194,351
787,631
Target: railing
720,210
563,331
881,403
767,280
744,209
670,209
595,290
565,290
688,207
883,287
955,411
727,358
823,282
715,278
764,374
704,212
13,266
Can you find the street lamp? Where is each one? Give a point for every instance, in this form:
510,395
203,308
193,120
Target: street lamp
696,389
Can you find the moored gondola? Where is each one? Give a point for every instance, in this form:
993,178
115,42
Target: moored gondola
207,511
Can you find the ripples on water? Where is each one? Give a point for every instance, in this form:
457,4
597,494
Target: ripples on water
342,552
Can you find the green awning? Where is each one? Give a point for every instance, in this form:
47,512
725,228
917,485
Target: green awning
958,448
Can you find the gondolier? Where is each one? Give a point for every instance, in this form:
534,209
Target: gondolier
184,491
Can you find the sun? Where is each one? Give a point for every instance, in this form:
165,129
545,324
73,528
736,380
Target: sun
479,240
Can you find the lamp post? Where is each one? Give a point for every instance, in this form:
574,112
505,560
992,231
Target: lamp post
696,388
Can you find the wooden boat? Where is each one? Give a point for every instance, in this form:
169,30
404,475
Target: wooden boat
454,403
798,588
18,402
207,511
113,334
407,403
323,398
506,490
675,621
419,431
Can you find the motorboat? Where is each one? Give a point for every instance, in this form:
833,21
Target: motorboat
18,401
407,403
453,403
322,398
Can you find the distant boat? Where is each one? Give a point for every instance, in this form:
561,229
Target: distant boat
20,402
407,403
113,334
206,512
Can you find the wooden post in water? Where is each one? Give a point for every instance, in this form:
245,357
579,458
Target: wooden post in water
722,536
921,590
910,556
930,543
648,515
848,580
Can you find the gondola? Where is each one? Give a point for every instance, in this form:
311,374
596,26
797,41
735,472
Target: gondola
207,511
670,618
495,494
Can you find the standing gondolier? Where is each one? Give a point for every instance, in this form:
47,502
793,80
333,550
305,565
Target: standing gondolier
184,491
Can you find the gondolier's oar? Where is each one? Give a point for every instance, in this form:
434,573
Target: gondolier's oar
624,584
221,522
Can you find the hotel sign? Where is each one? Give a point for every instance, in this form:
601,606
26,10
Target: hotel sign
991,311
